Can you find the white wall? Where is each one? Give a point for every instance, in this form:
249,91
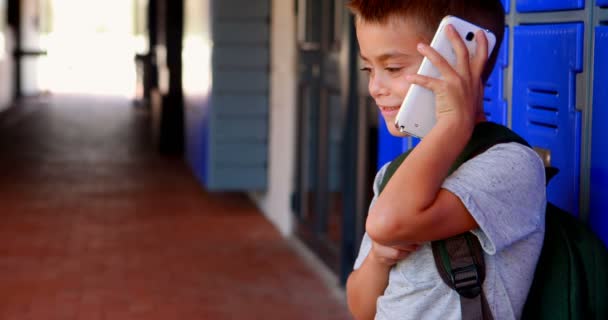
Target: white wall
275,202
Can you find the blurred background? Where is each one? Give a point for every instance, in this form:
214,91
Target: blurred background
214,158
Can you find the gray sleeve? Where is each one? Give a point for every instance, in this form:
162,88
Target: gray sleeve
366,243
504,190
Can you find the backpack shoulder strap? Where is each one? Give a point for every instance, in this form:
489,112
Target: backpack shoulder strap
485,135
460,263
459,259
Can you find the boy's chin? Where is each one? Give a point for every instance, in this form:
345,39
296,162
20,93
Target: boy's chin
390,124
396,133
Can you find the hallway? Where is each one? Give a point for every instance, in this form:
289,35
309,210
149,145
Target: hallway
95,225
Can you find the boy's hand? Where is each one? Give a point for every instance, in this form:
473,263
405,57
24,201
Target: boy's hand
389,256
459,94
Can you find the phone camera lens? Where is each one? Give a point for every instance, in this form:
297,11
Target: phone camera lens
470,36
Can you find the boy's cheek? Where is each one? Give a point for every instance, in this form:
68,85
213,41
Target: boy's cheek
403,88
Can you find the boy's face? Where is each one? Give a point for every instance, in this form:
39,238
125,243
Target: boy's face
388,52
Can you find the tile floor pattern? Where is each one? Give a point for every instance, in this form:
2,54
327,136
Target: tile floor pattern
95,225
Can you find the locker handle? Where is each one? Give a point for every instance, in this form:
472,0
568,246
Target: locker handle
545,155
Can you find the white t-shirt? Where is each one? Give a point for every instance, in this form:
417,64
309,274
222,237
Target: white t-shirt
504,190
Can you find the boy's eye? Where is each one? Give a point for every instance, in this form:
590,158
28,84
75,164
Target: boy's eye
366,69
393,69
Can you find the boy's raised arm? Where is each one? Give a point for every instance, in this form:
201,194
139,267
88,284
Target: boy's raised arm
413,207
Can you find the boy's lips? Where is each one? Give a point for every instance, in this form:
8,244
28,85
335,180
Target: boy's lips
389,111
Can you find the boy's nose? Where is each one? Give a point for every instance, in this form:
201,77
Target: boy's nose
377,87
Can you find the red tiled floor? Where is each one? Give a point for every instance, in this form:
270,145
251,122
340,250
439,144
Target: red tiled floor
95,225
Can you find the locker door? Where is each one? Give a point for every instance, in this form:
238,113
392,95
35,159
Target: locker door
389,147
547,58
549,5
598,209
507,5
494,101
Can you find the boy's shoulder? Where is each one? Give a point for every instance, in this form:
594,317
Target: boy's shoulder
506,182
506,168
512,158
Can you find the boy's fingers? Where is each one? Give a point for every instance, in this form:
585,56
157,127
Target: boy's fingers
461,50
437,60
481,56
424,81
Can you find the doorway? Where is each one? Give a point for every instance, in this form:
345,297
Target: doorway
334,150
90,45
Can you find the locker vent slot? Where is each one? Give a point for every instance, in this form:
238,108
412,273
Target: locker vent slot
544,108
543,124
544,91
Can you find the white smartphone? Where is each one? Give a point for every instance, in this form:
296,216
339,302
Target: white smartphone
416,116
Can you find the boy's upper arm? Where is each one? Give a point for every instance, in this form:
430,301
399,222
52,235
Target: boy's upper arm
447,217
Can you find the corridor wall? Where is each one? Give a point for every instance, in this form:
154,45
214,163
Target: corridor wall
548,87
226,62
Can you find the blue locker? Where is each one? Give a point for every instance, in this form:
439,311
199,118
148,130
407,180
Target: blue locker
415,142
598,207
546,60
507,5
389,147
549,5
602,3
494,103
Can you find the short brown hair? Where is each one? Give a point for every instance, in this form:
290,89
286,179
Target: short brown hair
488,14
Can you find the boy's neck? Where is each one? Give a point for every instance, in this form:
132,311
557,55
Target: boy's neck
480,117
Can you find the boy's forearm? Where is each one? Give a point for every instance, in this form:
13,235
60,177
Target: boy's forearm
363,288
416,183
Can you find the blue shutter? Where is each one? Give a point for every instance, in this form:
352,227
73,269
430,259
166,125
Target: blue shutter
227,132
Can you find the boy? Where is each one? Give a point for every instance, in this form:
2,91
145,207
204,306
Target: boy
499,195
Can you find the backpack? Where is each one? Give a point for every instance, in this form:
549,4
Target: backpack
571,277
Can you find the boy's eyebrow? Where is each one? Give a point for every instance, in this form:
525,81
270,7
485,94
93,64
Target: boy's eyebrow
386,56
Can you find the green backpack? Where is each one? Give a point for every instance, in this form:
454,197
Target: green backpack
571,278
